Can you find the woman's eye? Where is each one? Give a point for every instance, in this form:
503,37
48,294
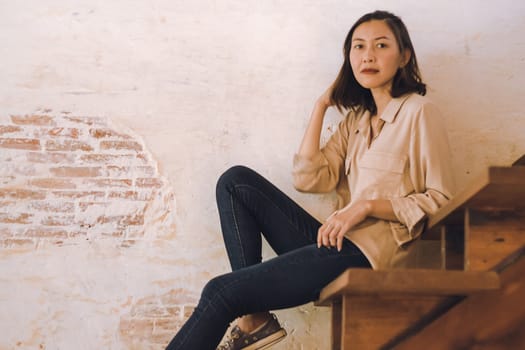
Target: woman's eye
381,45
358,46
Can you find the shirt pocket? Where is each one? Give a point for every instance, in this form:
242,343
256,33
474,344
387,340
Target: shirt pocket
381,175
384,162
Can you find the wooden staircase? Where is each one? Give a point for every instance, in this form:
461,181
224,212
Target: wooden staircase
477,299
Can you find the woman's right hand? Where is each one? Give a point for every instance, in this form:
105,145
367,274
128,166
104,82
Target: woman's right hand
310,144
326,98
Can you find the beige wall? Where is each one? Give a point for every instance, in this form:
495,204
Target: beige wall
203,85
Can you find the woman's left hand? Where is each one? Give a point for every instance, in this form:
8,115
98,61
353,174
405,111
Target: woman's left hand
331,233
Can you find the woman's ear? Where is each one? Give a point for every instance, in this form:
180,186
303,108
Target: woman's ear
406,57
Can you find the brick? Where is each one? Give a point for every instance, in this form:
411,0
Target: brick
58,220
6,232
83,206
126,159
137,327
8,129
17,243
110,183
131,195
107,133
21,194
148,182
117,171
94,195
45,157
5,204
116,234
68,145
75,171
23,218
56,207
33,120
146,170
52,183
121,145
179,296
27,144
64,132
148,310
85,120
125,220
46,232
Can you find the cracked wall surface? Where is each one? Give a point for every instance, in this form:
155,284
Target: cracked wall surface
111,112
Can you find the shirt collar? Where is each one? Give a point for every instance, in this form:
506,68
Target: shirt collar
389,114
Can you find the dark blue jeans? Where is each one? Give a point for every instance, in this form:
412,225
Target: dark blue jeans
249,206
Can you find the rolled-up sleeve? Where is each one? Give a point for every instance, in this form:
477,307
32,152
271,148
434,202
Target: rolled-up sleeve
321,173
430,172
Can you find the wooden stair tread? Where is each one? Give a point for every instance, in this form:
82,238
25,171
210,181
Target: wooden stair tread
498,188
488,320
356,281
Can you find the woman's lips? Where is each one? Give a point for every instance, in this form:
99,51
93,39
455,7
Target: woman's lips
369,71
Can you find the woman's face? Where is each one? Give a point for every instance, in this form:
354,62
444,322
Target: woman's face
375,56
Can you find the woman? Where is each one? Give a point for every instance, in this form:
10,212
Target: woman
389,164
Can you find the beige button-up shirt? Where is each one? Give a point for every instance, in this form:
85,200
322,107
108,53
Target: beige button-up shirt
408,163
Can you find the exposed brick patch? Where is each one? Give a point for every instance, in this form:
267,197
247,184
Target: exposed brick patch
153,321
80,179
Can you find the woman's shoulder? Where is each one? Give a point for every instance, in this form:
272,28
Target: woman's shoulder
416,100
416,104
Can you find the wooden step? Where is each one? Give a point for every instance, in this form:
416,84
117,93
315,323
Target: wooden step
490,320
371,307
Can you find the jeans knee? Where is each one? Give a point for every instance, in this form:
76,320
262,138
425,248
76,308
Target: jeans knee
216,293
234,175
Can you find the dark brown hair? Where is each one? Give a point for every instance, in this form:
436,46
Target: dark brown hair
348,93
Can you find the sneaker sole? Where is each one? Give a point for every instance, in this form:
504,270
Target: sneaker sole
270,340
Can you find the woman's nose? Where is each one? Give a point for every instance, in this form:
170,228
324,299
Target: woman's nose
368,56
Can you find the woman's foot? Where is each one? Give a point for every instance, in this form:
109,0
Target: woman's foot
264,336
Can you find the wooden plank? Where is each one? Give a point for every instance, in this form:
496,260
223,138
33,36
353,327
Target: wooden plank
497,188
520,161
408,281
337,321
373,320
488,320
493,236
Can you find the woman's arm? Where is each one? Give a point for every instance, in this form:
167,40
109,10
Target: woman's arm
311,139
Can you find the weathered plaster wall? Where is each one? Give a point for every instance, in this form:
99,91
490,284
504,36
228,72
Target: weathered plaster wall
204,85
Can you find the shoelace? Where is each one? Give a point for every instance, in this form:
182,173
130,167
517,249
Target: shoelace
228,344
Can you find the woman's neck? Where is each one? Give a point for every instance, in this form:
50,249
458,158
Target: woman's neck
381,98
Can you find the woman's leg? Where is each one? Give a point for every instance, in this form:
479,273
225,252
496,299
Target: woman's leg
249,205
289,280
